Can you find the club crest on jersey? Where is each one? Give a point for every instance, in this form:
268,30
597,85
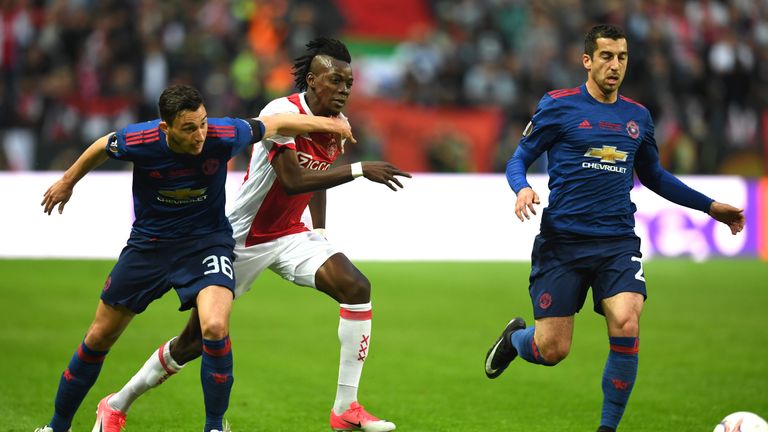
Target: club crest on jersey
528,129
633,129
182,196
307,161
332,147
210,166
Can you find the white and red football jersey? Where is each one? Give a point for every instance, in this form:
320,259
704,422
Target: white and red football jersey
263,211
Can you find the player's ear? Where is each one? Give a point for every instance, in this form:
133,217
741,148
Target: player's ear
311,80
163,127
586,61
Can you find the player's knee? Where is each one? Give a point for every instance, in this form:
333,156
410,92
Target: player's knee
356,290
555,351
215,329
628,325
101,338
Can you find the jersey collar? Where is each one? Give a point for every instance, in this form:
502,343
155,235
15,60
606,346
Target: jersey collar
304,105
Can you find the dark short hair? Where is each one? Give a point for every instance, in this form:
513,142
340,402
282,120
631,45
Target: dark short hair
320,46
178,98
601,31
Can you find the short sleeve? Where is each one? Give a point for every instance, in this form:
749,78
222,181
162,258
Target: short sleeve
280,106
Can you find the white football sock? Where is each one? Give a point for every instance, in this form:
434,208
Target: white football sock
158,367
355,338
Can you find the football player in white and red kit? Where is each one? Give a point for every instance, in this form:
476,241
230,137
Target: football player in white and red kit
286,174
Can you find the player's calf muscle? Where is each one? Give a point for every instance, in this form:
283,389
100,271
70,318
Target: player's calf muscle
188,346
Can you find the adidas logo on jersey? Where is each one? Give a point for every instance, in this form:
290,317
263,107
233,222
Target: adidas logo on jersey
585,125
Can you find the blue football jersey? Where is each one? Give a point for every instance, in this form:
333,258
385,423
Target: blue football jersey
179,195
592,148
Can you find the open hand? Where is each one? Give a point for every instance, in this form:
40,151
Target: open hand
384,173
526,198
59,193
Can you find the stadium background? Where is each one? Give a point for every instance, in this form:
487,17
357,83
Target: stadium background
443,89
442,86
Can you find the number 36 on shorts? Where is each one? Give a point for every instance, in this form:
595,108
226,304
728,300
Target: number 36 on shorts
220,264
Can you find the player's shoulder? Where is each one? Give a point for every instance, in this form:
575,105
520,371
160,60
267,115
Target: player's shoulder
632,104
635,110
563,93
222,121
140,133
561,97
224,128
146,127
632,101
552,104
281,105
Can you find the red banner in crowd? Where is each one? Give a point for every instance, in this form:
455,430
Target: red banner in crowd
421,139
390,19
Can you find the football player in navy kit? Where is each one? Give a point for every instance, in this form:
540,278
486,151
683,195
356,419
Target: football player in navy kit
287,174
594,138
181,237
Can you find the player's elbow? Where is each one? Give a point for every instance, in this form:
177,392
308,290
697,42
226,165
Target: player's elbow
295,185
296,191
650,176
648,181
513,164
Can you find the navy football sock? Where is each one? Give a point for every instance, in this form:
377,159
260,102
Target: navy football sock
74,384
526,348
618,378
216,377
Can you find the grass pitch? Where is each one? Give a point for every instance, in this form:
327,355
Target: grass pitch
704,351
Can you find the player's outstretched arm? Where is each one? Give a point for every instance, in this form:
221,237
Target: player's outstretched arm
729,215
297,180
297,124
381,172
60,192
526,198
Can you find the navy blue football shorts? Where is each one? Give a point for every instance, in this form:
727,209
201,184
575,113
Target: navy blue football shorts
564,268
147,269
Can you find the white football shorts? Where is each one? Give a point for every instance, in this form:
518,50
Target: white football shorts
296,258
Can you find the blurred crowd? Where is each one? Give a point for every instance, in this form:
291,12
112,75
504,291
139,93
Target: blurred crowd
73,70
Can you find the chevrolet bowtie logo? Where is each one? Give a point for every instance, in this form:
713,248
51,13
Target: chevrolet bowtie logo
607,154
181,194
